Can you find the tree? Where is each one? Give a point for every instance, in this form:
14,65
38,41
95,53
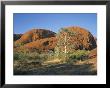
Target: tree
64,45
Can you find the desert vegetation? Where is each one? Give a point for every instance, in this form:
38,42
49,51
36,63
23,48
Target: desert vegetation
71,51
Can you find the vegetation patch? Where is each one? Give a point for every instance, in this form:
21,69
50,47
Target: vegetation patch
72,51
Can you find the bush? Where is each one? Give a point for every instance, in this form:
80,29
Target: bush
16,56
78,55
31,56
19,56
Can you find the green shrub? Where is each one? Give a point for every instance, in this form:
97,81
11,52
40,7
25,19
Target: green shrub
32,56
20,56
78,55
16,56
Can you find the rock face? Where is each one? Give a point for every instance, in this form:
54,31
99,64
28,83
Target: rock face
33,35
75,38
17,36
41,45
95,39
93,53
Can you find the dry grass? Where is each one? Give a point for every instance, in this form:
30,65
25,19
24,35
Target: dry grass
92,62
49,64
55,67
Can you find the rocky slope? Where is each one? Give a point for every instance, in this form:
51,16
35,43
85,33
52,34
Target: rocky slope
17,36
33,35
76,38
41,45
43,40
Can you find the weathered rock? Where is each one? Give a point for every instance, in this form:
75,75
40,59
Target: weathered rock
41,45
33,35
40,40
93,53
17,36
75,38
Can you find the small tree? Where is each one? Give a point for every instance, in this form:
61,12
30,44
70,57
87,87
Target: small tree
64,45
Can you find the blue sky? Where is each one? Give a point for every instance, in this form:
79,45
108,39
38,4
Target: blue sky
54,21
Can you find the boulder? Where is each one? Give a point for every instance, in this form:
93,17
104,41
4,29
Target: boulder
75,38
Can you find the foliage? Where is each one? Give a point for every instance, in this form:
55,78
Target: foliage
20,56
78,55
24,56
33,56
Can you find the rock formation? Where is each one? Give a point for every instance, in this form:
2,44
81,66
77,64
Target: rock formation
73,38
76,38
17,36
33,35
